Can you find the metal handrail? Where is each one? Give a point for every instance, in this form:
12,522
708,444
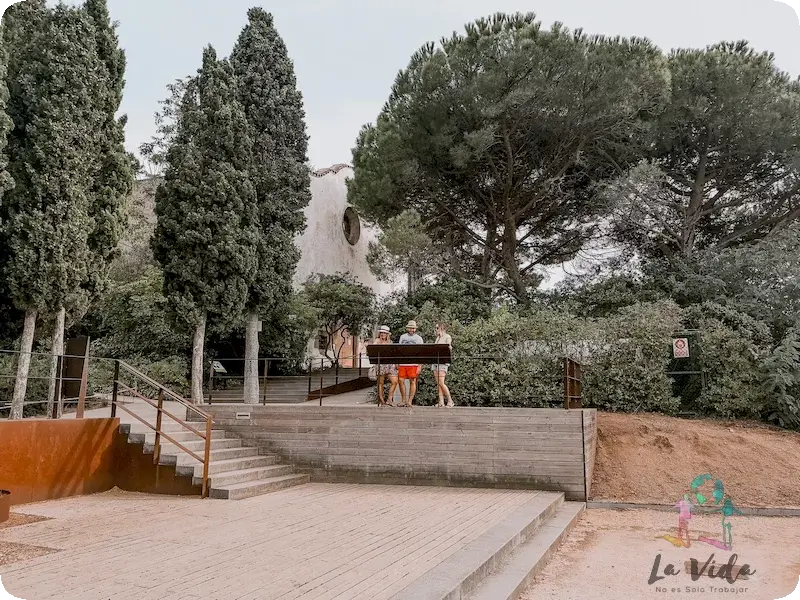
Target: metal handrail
159,406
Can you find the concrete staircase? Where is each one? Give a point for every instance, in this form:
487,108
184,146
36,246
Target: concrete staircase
289,390
502,562
235,471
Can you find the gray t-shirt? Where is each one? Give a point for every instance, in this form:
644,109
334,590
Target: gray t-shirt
410,339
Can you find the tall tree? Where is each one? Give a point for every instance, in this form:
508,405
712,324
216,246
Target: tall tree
6,306
724,169
53,74
274,108
206,234
111,180
497,138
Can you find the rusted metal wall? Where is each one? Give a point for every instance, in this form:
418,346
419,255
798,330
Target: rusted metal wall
49,459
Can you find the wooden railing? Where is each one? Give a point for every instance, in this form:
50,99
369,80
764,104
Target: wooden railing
573,385
158,404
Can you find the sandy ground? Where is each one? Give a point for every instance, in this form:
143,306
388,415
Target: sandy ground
12,552
653,459
610,554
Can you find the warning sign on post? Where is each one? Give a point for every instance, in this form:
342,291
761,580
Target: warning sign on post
680,348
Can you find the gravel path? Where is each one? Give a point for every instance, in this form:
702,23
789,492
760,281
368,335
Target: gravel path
610,554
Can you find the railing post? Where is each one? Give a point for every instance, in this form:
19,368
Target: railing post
206,458
55,413
157,445
359,362
310,366
84,384
321,378
336,372
210,381
566,383
115,389
266,374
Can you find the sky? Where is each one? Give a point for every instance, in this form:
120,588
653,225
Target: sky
348,52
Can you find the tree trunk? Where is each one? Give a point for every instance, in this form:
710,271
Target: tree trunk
56,350
23,365
197,360
251,359
413,280
510,262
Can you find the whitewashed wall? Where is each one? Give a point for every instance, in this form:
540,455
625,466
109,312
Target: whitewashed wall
323,246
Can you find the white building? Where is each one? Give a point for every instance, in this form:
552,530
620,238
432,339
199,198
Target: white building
335,241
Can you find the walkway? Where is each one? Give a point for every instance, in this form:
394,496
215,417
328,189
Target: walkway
318,541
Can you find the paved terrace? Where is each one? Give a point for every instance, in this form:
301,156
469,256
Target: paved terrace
318,541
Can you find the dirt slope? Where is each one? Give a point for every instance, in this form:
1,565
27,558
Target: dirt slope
649,458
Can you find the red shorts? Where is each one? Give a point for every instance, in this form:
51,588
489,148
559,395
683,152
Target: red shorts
405,372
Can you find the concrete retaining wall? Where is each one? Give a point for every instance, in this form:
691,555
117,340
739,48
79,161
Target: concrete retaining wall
493,447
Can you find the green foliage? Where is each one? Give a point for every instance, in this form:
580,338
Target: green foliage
206,234
629,375
403,246
134,322
54,75
450,300
732,361
516,359
723,168
167,119
782,382
497,138
113,167
339,303
273,108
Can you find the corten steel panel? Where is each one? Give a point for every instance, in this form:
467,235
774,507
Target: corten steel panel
45,460
135,472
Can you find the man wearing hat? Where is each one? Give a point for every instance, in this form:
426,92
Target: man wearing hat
410,372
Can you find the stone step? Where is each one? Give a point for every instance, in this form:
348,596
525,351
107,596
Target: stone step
197,446
243,475
239,491
184,436
461,573
515,574
216,455
223,466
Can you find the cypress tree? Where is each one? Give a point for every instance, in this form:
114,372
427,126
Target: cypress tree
276,120
206,232
53,74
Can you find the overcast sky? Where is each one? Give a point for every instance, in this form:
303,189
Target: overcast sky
347,52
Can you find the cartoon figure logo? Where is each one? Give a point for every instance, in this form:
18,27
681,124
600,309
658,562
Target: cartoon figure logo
697,494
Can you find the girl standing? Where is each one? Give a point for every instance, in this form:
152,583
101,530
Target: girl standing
440,371
384,371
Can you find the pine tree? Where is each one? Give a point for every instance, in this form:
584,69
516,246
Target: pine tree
207,228
276,119
53,75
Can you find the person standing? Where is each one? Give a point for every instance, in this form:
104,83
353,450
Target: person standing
409,372
387,371
440,371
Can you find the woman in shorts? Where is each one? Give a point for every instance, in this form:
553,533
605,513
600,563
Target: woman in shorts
385,371
440,371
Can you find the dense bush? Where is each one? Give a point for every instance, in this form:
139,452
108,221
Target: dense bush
516,359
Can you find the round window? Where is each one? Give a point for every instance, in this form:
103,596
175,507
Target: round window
351,226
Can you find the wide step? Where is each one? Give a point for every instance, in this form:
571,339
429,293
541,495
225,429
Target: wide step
510,578
463,572
223,466
214,455
244,475
239,491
